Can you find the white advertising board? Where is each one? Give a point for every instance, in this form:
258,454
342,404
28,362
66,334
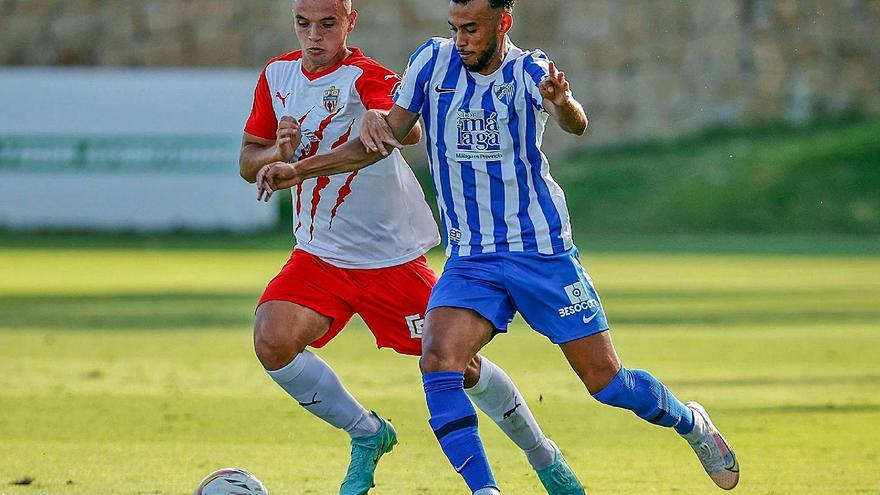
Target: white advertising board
143,150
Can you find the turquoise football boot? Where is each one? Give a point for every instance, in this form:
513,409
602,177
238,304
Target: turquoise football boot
558,478
365,454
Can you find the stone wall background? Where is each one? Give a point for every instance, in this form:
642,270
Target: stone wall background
645,69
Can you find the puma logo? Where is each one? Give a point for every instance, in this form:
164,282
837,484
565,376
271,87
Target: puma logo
512,410
282,98
312,403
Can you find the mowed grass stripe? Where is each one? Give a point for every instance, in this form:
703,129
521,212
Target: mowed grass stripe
103,271
131,372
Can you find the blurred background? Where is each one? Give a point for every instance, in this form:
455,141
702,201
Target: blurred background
726,201
743,116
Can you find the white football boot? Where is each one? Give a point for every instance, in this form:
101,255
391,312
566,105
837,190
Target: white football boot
712,449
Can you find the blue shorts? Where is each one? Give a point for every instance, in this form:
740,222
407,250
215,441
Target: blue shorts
553,293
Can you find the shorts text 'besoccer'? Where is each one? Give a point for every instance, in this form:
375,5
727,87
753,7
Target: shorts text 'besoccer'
553,293
390,300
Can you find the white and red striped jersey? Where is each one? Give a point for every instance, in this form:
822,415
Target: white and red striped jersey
372,218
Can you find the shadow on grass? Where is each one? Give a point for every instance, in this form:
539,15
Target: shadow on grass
701,295
756,317
589,240
807,409
778,381
272,240
129,311
169,310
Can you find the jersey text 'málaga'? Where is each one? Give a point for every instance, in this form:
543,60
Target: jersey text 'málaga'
372,218
484,135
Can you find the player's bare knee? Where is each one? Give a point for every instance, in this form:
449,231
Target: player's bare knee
272,345
429,362
433,361
271,353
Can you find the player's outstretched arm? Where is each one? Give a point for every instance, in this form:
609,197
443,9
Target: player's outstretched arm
257,152
375,132
349,157
559,103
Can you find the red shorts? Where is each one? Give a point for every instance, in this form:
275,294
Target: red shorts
391,300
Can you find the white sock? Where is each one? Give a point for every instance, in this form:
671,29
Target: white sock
313,384
487,491
497,396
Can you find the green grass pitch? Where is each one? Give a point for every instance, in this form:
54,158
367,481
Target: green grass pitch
131,371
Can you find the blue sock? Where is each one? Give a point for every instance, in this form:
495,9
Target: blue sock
649,399
454,422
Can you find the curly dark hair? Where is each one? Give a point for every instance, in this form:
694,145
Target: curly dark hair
495,4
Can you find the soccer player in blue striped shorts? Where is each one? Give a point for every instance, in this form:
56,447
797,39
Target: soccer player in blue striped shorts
485,103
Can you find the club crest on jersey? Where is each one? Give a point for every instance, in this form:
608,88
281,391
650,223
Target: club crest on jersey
479,137
504,92
331,99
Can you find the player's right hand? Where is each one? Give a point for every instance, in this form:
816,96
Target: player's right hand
376,133
555,88
288,138
276,176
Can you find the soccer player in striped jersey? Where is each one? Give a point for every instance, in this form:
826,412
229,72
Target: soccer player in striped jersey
485,103
354,253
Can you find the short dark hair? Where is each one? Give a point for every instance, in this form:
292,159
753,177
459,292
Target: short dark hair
495,4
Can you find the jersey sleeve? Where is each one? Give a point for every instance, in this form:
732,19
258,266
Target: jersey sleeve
414,87
262,121
536,67
376,86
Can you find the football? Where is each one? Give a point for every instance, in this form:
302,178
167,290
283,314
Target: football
231,481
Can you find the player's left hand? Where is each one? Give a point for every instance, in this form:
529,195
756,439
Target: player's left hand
555,88
275,176
376,133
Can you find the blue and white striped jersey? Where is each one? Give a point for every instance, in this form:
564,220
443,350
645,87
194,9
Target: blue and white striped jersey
484,135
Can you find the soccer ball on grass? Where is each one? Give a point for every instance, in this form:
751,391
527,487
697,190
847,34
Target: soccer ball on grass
231,481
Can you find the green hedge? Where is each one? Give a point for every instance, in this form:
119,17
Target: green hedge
821,179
